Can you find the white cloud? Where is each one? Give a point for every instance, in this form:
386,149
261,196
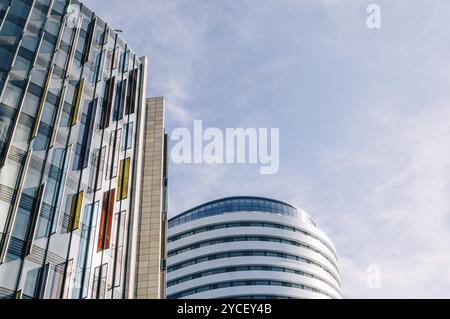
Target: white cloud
399,211
377,181
176,101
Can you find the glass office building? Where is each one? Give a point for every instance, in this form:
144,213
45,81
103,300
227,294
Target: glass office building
71,116
249,247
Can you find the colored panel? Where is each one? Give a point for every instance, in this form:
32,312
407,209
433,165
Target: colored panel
109,221
124,173
104,238
75,210
119,188
77,101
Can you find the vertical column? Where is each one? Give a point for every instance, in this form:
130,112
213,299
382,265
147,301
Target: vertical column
151,235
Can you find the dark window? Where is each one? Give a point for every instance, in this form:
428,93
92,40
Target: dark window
131,92
120,99
86,134
88,43
107,102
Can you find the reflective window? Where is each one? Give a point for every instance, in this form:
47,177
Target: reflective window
237,205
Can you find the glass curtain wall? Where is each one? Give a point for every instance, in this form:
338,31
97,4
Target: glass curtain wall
68,101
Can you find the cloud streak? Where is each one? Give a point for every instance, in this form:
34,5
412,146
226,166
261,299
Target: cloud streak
363,118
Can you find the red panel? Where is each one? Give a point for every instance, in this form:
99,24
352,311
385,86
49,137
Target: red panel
104,236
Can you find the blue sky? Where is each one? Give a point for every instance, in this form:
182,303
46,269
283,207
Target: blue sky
363,117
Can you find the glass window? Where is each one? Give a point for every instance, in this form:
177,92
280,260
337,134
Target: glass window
97,168
85,133
104,238
77,101
120,99
13,97
127,141
131,92
107,102
41,104
119,220
124,61
113,154
124,173
75,210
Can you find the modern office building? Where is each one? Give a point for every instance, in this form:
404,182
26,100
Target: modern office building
74,215
249,247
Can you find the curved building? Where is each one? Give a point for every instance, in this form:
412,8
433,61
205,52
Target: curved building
73,121
249,247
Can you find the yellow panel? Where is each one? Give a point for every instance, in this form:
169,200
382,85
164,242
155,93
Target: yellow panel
78,210
75,210
124,173
119,186
126,178
77,102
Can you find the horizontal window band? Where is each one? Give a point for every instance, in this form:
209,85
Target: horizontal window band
247,268
242,283
246,224
247,238
247,253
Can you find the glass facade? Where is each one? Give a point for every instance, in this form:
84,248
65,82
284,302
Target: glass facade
199,230
249,247
242,283
70,98
237,204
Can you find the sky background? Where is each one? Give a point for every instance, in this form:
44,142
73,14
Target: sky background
364,118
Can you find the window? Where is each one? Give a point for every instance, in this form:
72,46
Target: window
127,141
124,61
77,101
100,273
56,279
99,65
116,55
84,259
119,220
113,154
97,168
124,174
41,281
104,238
75,210
41,103
88,43
107,102
131,92
120,100
85,133
113,58
34,218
